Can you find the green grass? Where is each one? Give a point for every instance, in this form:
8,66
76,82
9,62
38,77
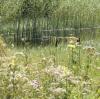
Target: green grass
50,72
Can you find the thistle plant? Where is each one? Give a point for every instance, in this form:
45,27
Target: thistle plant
74,52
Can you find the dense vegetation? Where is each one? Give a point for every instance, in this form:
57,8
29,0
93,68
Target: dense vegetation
65,72
67,66
75,13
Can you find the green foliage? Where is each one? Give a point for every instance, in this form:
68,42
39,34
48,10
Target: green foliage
9,9
62,13
75,11
45,73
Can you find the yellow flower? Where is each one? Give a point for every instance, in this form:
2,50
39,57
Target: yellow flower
8,50
71,46
72,40
13,61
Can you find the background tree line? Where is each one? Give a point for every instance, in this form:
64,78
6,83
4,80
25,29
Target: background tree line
32,15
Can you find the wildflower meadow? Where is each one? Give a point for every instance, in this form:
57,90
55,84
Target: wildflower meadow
49,49
65,72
